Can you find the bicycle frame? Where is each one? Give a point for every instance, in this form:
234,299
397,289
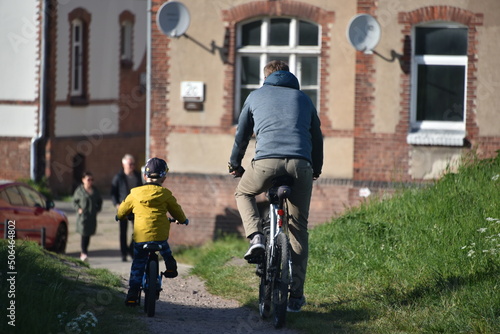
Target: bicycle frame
277,220
152,280
276,270
152,255
276,225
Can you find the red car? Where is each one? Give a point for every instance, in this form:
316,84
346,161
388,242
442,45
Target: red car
25,212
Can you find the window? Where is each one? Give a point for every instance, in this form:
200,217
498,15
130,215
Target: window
77,58
79,23
32,198
439,80
14,196
126,43
289,39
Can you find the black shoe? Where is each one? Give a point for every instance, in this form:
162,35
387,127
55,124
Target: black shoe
132,298
171,266
295,304
124,258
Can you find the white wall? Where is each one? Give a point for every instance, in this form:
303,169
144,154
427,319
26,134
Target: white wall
19,50
18,121
95,120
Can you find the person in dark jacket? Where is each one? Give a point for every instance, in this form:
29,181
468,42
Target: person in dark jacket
289,141
87,202
121,185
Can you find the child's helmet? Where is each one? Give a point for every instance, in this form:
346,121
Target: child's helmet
156,168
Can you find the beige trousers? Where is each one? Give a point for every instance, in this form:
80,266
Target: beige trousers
257,179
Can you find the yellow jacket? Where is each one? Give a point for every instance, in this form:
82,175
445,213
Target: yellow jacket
150,204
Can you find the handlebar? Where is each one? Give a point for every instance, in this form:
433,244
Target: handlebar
172,220
235,171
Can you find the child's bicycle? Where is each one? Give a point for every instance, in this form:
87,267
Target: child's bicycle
152,278
275,266
151,281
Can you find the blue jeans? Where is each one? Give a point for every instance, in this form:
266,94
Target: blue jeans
141,258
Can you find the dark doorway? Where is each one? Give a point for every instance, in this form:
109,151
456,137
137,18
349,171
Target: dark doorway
78,170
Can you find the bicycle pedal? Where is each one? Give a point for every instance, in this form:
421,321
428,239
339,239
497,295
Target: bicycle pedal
131,303
170,274
255,260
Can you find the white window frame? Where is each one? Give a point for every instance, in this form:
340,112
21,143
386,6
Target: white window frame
77,54
440,133
265,51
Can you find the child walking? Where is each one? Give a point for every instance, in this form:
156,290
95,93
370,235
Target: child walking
150,204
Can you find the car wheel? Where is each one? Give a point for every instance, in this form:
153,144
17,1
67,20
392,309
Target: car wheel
61,239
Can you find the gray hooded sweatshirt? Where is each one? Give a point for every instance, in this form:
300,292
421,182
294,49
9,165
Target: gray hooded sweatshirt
284,121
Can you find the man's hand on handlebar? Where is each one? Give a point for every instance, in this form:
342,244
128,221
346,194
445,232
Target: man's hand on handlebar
235,171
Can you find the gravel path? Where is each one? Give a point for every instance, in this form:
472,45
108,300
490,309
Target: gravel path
185,306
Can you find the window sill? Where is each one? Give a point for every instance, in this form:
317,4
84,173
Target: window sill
78,101
126,63
436,137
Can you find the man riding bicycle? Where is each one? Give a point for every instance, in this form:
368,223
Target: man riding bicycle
288,142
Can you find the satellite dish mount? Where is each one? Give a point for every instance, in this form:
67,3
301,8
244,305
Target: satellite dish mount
363,33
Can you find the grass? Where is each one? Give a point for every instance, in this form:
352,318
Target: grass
424,261
58,294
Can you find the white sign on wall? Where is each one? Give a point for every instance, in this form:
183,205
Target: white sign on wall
192,91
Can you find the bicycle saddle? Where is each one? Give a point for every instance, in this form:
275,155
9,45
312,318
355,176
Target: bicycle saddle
152,247
280,189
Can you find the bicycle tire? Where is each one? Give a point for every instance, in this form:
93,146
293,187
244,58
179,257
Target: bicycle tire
282,280
150,292
265,287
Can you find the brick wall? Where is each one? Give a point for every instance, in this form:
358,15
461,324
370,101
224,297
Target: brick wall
160,65
100,155
15,153
209,203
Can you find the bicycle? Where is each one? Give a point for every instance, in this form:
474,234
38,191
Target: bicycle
152,278
151,281
275,266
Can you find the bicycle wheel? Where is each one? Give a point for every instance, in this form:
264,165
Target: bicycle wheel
265,287
150,291
282,280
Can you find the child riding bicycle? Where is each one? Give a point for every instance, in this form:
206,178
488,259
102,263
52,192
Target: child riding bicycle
150,204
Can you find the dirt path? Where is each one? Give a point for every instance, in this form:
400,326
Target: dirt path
184,306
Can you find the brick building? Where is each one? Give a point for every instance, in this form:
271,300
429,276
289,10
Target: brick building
403,113
73,95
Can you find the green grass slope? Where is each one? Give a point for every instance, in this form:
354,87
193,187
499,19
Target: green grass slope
426,260
43,292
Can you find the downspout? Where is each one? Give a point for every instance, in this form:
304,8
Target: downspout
35,164
148,80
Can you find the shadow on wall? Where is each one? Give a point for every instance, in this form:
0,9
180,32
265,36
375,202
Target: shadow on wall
230,223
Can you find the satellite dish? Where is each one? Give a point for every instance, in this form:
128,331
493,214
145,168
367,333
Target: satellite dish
173,19
363,32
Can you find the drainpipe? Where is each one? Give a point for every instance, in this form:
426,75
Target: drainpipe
35,164
148,79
